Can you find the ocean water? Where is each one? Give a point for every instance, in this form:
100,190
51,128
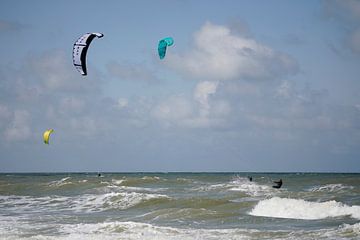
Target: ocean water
179,206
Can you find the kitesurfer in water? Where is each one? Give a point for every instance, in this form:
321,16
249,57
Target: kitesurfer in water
278,184
250,178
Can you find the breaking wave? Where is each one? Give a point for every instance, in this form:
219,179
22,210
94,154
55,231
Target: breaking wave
300,209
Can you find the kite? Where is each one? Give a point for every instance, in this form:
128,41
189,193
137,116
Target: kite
47,135
163,44
80,50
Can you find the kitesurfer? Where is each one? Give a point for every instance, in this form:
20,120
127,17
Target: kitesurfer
250,178
278,184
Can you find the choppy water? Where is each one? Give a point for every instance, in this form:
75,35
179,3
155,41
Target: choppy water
179,206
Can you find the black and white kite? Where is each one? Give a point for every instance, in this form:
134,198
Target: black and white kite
80,49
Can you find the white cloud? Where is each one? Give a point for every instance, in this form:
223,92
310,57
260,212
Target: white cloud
9,26
137,72
354,40
202,92
71,104
346,12
19,128
284,90
351,7
4,112
218,54
5,115
173,110
197,112
53,72
86,126
122,103
53,93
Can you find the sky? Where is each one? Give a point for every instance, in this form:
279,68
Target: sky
253,86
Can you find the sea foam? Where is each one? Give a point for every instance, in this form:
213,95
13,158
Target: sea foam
301,209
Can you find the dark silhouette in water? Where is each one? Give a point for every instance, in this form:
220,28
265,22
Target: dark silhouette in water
278,184
99,174
250,178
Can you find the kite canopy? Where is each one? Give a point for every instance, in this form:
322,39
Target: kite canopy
47,135
80,50
163,44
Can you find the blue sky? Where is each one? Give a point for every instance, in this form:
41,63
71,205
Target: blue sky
247,86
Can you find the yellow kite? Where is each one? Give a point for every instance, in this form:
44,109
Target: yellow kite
47,135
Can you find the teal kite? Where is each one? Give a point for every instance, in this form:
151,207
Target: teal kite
163,44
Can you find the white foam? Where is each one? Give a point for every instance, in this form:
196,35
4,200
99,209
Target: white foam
117,181
137,231
117,230
206,188
154,178
83,203
238,184
14,228
250,188
351,228
331,188
301,209
59,183
119,188
112,200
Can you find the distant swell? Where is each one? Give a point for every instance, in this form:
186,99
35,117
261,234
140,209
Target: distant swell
301,209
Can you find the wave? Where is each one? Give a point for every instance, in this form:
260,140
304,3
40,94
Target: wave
117,181
137,230
237,184
331,188
351,229
250,188
301,209
113,200
138,181
82,203
59,183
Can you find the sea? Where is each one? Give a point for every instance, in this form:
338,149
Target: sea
179,206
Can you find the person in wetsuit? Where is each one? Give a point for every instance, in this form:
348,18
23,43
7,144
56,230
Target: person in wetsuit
278,184
250,178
